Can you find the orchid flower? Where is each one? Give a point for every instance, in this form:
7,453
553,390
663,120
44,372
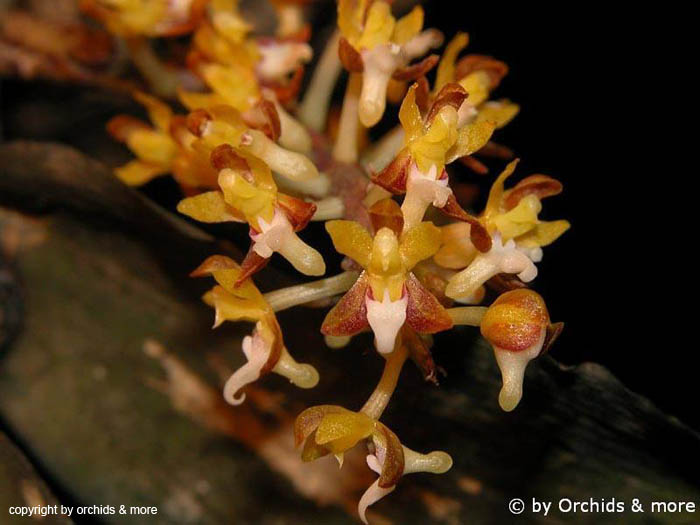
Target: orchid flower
431,141
331,429
387,294
511,217
518,327
380,47
247,193
160,148
479,75
242,71
236,300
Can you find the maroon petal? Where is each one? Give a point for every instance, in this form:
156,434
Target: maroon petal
298,212
416,70
350,57
479,236
424,312
540,185
386,213
451,94
349,316
251,265
393,178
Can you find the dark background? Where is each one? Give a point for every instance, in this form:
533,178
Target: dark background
570,71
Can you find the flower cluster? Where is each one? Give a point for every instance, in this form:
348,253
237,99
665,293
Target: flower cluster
245,152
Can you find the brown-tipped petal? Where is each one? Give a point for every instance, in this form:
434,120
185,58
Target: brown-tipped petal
420,354
495,69
393,178
451,94
539,185
424,312
392,453
479,236
349,56
416,70
307,422
474,164
265,118
252,264
224,156
121,126
386,213
212,264
554,330
298,212
423,95
505,282
349,316
197,121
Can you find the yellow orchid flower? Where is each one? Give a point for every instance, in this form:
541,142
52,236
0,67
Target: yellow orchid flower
240,70
386,295
478,75
375,43
166,146
431,142
248,193
511,218
332,429
264,349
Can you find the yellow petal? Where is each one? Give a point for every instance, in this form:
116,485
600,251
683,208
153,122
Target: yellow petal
478,85
152,146
231,308
471,138
159,112
500,112
410,116
209,207
136,172
493,205
543,233
379,26
351,239
432,147
446,67
341,432
418,243
227,272
244,197
520,219
408,26
237,85
351,14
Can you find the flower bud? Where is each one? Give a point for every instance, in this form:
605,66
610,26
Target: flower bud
516,326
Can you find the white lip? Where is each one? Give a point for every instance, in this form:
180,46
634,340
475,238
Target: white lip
272,235
428,186
257,351
386,319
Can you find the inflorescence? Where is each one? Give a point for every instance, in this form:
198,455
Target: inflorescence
246,151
